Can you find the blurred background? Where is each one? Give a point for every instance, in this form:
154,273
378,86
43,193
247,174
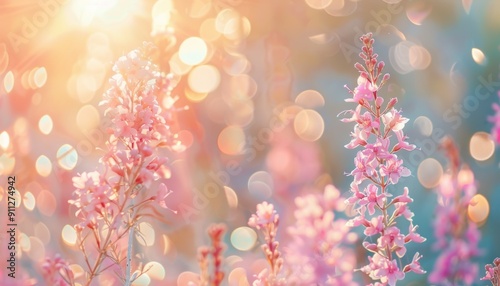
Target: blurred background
263,82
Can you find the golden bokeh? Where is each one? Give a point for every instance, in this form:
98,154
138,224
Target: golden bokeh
481,146
309,125
478,209
243,238
231,140
429,173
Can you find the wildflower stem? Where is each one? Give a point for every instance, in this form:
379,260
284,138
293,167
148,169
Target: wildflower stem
129,255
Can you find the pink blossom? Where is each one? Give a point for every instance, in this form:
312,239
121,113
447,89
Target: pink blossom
495,119
372,198
493,272
394,169
56,271
264,216
377,166
456,236
394,121
319,252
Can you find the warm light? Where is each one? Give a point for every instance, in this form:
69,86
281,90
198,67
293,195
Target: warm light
231,140
43,166
46,203
29,201
4,58
318,4
419,57
77,270
479,209
8,82
187,278
37,250
146,234
177,66
156,270
208,31
481,146
4,140
193,51
67,157
231,197
204,79
161,15
42,232
309,125
45,124
429,173
68,235
142,280
238,276
310,99
40,77
87,118
424,125
7,164
478,56
261,185
194,96
243,238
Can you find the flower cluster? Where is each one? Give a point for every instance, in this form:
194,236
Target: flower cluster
317,253
111,200
456,237
376,173
267,220
216,233
57,272
495,119
493,272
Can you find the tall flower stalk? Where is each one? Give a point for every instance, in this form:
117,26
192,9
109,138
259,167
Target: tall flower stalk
267,220
216,234
113,199
378,131
457,237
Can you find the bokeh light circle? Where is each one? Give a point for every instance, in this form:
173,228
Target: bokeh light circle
193,51
429,173
309,125
243,238
481,146
67,157
43,166
204,79
478,209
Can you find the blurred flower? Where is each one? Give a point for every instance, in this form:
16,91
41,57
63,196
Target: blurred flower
378,165
457,237
495,119
216,233
56,272
319,252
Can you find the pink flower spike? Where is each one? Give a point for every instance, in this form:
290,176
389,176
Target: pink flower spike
375,226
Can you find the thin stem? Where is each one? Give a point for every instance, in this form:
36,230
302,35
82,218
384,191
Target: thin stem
128,281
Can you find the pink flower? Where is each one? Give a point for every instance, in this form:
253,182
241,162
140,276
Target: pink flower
57,272
394,169
376,167
493,272
372,199
495,119
414,266
364,91
264,216
394,121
